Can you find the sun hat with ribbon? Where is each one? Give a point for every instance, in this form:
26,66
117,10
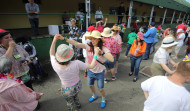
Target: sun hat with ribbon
64,53
168,42
95,34
107,32
140,35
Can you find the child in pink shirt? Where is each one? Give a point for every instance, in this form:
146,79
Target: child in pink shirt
100,26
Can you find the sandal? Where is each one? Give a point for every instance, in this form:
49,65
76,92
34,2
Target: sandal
135,79
93,99
131,73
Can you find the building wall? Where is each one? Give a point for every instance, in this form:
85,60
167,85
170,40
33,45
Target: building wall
61,6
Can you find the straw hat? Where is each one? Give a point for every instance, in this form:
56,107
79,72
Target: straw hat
107,32
95,34
64,53
168,42
115,28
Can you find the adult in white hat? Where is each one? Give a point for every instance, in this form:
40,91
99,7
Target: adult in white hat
68,71
180,39
97,73
113,46
162,59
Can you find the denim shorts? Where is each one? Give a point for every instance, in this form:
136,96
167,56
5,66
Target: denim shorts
91,77
110,65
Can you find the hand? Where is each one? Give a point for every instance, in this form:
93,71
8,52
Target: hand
125,56
75,33
175,65
96,50
172,72
36,12
106,19
58,36
38,96
12,44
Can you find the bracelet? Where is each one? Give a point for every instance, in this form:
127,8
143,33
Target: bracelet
95,57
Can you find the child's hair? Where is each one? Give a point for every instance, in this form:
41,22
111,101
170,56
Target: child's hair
100,45
65,63
72,19
133,30
184,68
141,41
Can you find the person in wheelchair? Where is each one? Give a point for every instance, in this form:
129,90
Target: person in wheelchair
36,71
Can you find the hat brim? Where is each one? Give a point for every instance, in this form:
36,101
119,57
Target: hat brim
66,59
106,35
97,37
169,45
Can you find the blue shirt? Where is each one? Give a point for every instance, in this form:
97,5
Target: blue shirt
149,35
156,37
34,8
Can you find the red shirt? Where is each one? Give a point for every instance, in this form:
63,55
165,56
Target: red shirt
135,26
182,26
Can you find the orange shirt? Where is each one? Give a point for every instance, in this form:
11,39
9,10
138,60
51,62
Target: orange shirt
134,46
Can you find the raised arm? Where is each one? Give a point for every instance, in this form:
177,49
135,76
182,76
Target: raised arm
9,52
73,42
52,48
106,19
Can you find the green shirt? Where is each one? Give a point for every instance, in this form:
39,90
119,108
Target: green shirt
132,36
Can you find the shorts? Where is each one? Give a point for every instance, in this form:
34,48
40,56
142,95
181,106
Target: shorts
91,77
110,65
177,49
156,69
117,56
71,91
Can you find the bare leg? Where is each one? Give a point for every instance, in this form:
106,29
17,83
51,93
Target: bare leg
105,76
102,92
92,89
112,71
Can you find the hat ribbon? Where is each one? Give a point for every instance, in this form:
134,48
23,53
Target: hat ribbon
169,42
66,56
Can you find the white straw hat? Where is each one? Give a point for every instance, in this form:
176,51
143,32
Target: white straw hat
107,32
168,42
95,34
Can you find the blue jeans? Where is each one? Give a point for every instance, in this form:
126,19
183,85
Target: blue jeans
91,77
153,46
128,49
135,62
147,52
34,24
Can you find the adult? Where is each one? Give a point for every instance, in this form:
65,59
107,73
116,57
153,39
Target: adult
180,40
87,41
33,10
79,16
162,59
167,93
149,39
121,13
18,56
113,46
97,73
188,31
73,30
137,50
98,15
135,25
15,96
183,27
100,26
68,71
117,37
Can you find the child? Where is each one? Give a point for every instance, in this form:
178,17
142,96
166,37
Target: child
141,29
180,38
162,59
132,36
156,39
100,26
68,71
137,50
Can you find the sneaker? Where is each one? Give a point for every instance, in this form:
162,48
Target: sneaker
103,104
113,78
92,99
105,81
